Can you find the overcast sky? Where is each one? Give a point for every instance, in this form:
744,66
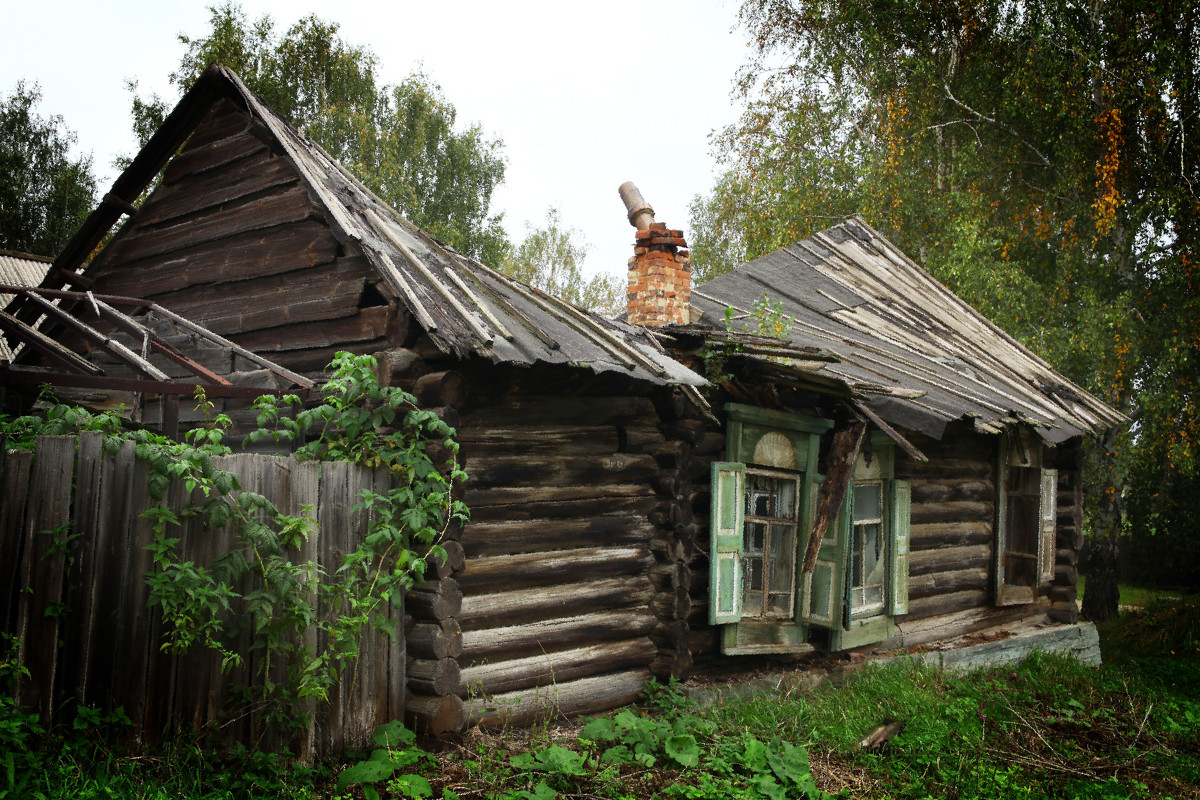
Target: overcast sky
585,95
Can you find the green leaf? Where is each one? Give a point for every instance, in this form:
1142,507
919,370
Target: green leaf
683,749
364,772
411,786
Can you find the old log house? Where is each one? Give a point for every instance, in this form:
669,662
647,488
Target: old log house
596,466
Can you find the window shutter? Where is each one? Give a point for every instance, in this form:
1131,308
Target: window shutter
725,568
900,501
1048,515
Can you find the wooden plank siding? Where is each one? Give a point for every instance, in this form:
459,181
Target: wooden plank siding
232,239
75,550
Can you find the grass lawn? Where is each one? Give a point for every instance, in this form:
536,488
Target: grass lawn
1047,728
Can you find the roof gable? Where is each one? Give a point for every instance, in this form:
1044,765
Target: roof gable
465,307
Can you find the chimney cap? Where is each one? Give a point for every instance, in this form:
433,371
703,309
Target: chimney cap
639,213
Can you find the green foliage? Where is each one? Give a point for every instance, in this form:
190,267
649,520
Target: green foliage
44,192
551,259
259,596
394,752
401,141
1037,157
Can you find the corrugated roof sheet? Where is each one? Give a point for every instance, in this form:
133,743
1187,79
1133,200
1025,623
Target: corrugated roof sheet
935,359
18,269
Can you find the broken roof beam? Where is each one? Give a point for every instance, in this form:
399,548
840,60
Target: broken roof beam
135,328
107,342
47,346
892,433
299,380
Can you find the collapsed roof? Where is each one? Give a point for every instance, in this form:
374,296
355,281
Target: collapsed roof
918,355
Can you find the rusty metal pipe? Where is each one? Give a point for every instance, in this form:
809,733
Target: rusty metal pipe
637,210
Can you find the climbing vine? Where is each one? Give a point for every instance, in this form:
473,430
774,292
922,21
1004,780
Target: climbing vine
260,595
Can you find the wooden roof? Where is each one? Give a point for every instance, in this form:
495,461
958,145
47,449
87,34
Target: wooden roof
465,307
916,354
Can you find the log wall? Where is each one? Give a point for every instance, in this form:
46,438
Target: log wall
232,240
571,590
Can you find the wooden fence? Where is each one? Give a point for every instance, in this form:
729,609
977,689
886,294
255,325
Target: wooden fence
73,562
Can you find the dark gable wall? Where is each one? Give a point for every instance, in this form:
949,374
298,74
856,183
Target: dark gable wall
232,240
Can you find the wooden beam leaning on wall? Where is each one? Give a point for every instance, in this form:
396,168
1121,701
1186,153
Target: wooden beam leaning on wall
847,443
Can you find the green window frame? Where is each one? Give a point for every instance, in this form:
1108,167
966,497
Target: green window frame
1026,519
764,500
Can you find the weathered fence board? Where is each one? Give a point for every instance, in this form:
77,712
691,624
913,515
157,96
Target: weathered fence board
73,589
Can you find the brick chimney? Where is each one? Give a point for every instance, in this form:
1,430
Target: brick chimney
660,272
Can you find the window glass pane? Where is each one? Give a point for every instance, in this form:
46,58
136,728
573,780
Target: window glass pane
755,535
872,555
867,501
754,574
783,557
787,500
779,605
873,596
822,591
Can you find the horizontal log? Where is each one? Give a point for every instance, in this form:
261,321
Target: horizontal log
953,468
247,256
686,430
222,120
495,573
367,325
539,535
952,489
642,438
950,534
313,362
564,600
284,205
562,439
566,699
238,310
517,641
1067,555
947,582
212,156
946,603
396,364
555,667
234,181
1068,592
559,502
1066,575
434,600
675,664
434,677
913,631
1066,612
670,606
536,469
952,511
444,388
435,716
435,640
550,410
945,559
450,566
